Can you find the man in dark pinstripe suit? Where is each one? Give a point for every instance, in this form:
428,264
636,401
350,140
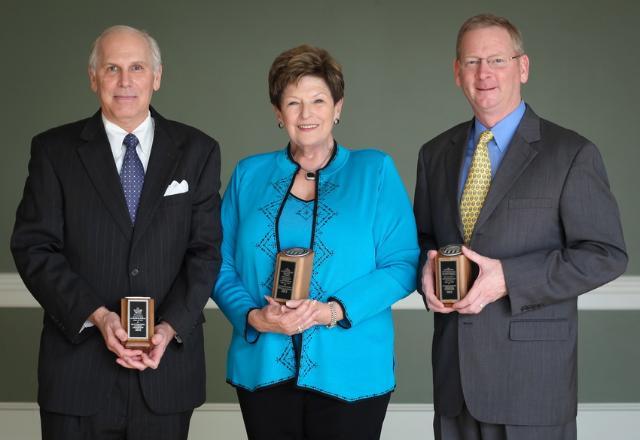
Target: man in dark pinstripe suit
88,234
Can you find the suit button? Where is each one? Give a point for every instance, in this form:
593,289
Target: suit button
135,272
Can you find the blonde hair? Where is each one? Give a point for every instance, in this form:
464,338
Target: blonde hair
487,20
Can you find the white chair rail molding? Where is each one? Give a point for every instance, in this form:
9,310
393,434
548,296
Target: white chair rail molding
620,294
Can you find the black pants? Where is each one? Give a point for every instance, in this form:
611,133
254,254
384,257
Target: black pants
285,412
124,416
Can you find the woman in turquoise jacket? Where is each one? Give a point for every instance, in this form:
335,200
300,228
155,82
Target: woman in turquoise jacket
322,367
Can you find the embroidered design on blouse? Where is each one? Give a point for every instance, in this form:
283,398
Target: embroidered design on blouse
268,283
306,211
306,363
288,356
267,244
322,254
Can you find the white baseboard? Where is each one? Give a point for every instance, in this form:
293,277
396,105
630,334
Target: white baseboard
405,421
620,294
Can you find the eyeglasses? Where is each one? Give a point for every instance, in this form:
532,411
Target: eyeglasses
495,62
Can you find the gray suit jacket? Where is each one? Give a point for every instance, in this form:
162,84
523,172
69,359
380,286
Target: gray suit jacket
554,224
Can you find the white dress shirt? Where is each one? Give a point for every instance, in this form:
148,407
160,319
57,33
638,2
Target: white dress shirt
144,133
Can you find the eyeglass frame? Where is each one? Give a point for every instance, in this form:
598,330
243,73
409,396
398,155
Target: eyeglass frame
486,60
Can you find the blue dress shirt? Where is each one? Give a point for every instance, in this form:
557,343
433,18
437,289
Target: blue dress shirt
503,132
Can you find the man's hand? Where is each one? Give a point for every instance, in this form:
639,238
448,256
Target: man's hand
487,288
114,336
428,286
163,334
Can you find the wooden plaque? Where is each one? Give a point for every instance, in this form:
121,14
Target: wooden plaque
137,317
453,274
292,274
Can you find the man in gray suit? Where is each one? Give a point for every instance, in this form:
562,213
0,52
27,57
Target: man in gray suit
547,230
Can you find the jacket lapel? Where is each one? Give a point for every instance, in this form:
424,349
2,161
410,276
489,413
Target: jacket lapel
97,158
454,159
517,158
165,155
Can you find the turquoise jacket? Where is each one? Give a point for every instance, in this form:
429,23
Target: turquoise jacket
366,254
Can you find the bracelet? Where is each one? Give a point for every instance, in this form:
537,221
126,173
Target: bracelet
334,314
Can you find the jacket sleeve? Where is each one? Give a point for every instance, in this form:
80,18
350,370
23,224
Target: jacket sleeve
37,245
422,211
230,293
396,253
594,251
184,304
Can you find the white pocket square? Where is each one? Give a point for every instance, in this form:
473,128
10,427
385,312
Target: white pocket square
176,188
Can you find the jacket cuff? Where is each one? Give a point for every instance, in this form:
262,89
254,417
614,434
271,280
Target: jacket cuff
346,321
251,335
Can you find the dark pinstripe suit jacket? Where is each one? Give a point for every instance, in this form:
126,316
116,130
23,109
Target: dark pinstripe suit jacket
75,248
554,224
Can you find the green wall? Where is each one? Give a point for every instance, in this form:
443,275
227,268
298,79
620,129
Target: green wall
608,356
397,58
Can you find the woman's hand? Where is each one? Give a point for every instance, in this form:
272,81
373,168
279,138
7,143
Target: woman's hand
267,319
293,317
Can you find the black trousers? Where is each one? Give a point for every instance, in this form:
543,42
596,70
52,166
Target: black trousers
285,412
124,416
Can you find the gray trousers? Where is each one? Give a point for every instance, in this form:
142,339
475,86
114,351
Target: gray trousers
465,427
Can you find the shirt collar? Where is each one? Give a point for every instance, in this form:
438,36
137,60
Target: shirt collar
504,130
144,133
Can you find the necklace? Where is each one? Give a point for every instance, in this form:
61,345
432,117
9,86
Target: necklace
311,174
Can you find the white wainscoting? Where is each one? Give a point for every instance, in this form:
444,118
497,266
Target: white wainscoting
223,421
620,294
619,421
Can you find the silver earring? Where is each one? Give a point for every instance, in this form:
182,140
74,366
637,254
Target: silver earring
280,125
336,121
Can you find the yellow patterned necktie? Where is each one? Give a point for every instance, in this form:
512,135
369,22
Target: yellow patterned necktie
477,185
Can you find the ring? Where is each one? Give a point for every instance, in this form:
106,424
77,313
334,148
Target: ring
300,329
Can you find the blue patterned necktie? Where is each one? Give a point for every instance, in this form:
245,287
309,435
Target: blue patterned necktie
131,175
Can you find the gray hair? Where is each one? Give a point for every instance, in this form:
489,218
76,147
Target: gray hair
156,59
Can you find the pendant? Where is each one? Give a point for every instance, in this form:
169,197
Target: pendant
310,175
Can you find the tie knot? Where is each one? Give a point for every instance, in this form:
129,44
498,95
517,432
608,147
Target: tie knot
485,137
130,141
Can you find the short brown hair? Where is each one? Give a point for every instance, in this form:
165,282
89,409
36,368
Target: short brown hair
488,20
293,64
